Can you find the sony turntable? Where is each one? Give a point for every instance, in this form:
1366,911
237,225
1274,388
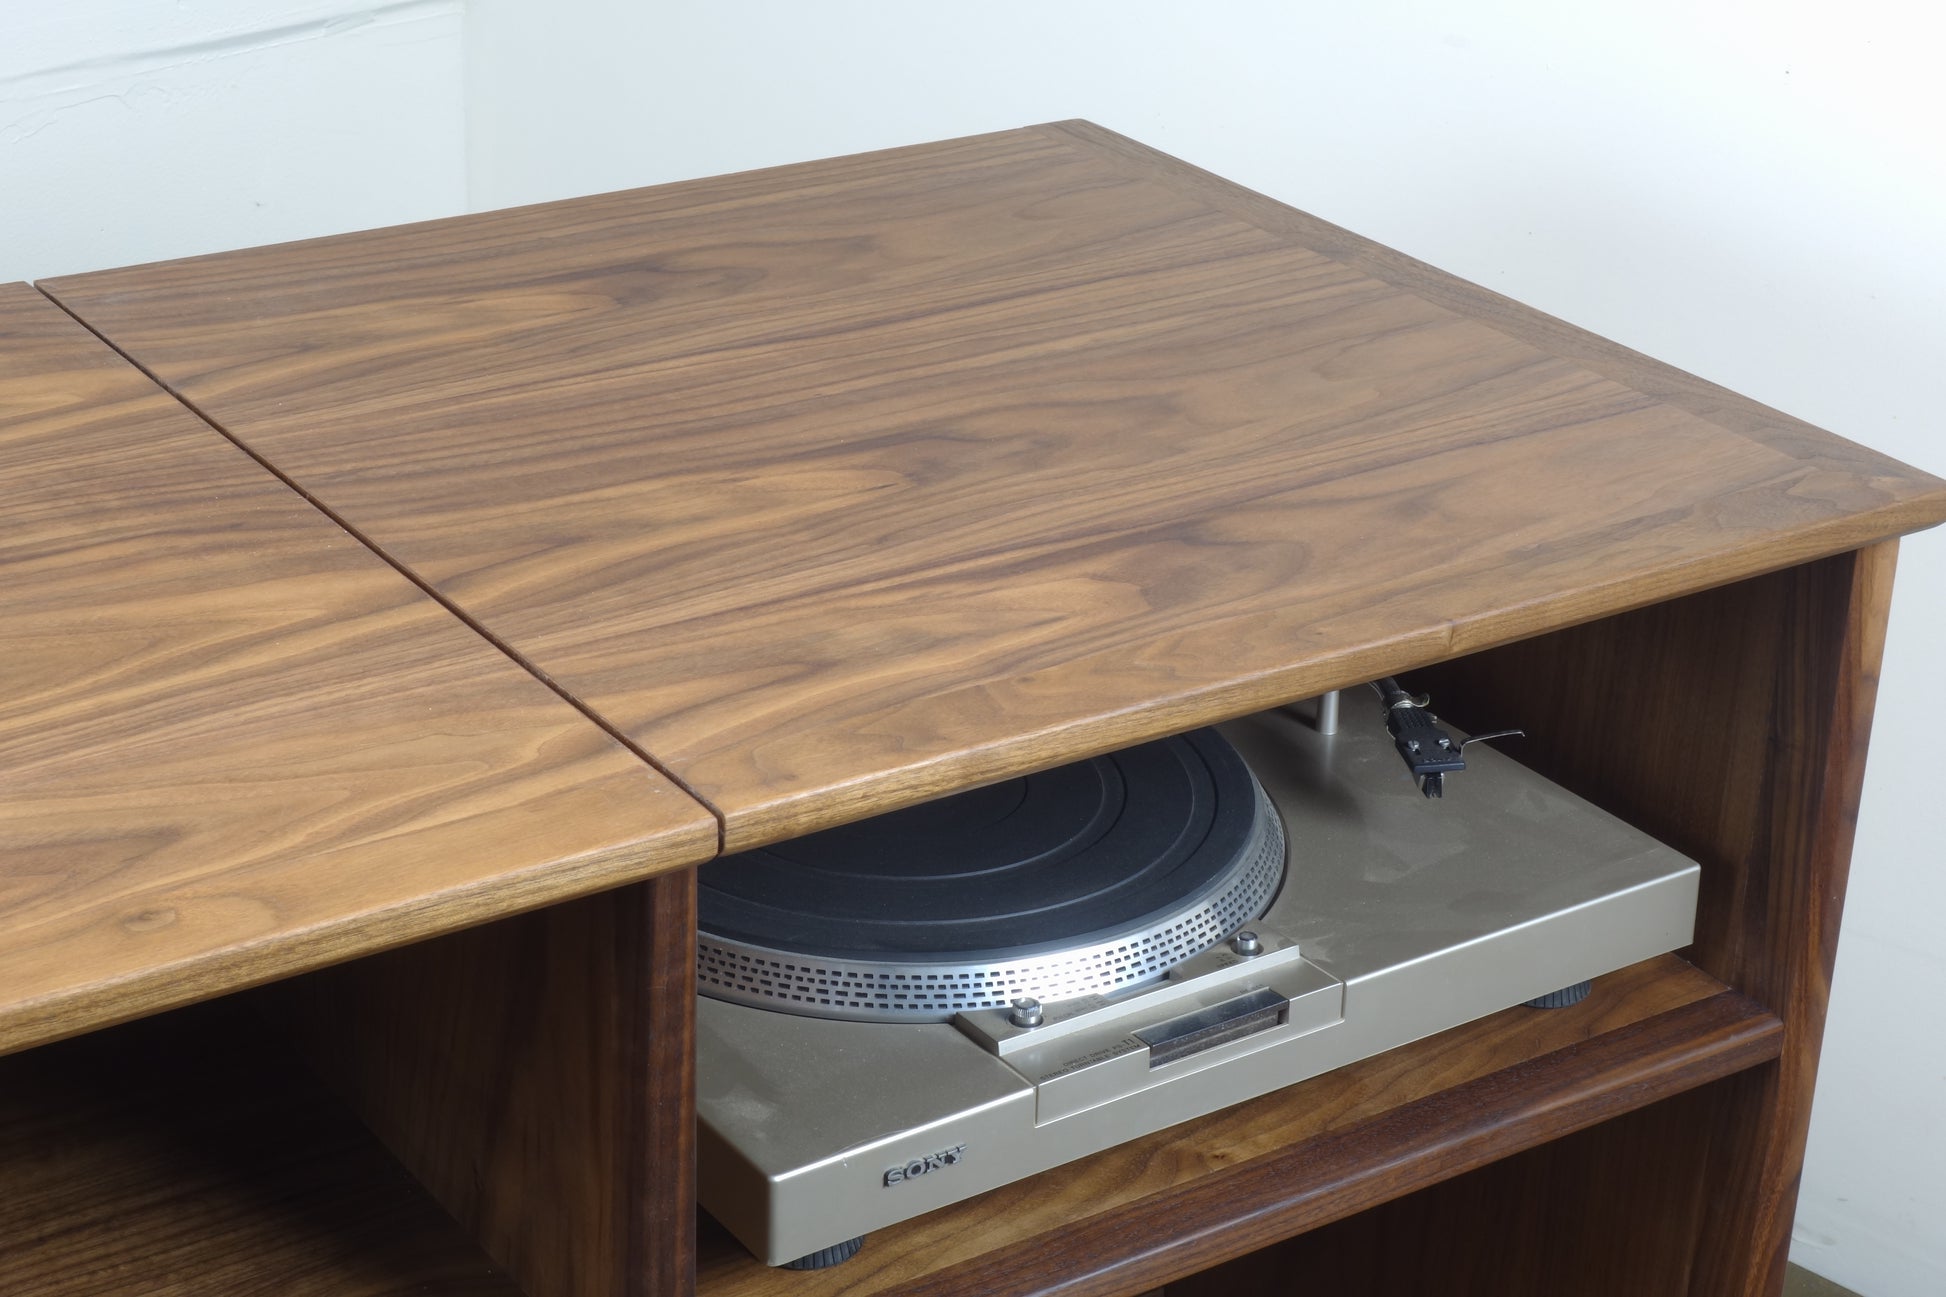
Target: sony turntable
904,1012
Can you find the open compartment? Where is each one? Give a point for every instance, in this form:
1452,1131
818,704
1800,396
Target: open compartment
534,1073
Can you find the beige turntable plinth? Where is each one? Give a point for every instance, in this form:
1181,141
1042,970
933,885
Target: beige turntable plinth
824,490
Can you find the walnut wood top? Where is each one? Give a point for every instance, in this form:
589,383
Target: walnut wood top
234,743
839,485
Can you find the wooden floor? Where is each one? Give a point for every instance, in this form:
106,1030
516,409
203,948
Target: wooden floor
1799,1282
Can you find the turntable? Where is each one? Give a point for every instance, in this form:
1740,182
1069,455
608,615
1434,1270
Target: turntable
907,1011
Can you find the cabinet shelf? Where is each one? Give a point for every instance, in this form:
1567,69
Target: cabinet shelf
1216,1188
187,1156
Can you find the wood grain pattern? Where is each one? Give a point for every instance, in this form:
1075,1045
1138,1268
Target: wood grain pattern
1536,1224
187,1156
537,1075
1748,710
234,743
1794,437
1178,1201
838,486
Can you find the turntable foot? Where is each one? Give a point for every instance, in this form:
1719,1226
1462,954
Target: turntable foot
1562,998
824,1258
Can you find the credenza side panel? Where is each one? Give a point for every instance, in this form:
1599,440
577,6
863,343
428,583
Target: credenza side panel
1733,724
537,1075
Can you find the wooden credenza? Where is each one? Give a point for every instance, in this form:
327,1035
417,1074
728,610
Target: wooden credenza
394,621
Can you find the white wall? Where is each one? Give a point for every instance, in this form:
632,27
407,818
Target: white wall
1753,191
133,130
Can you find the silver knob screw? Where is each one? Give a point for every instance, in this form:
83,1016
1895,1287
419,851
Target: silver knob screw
1027,1012
1247,944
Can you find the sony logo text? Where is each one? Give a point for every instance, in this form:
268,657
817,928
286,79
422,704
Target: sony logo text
919,1166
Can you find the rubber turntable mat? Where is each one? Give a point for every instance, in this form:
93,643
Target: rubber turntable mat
1059,858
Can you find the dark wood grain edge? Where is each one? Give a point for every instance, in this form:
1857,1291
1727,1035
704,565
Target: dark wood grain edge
661,1193
1226,1215
1832,683
1685,391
